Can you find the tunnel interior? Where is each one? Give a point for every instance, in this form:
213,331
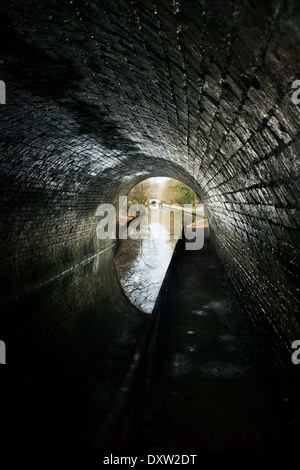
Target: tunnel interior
101,95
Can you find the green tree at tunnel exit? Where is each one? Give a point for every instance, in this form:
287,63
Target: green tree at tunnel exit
174,191
140,193
184,194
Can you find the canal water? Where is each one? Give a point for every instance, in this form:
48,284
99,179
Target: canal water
142,264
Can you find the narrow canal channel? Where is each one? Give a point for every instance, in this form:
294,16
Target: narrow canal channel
142,264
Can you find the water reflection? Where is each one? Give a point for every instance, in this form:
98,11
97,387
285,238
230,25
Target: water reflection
142,264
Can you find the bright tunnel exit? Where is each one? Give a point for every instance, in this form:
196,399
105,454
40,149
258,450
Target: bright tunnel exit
142,263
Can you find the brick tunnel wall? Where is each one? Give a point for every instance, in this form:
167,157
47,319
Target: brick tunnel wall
101,95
